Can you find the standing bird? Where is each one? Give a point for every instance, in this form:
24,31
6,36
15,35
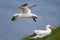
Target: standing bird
43,33
26,13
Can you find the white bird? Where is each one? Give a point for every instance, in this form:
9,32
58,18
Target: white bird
43,33
26,13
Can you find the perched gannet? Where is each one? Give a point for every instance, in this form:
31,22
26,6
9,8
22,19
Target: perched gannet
26,13
43,33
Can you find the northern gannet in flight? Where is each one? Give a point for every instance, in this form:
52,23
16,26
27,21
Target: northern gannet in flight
26,13
42,33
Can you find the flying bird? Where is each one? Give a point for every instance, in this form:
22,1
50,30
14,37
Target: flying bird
26,13
43,33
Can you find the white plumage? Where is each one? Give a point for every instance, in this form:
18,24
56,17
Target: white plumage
43,33
26,13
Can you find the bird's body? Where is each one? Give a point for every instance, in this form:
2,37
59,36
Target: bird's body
26,13
21,15
42,33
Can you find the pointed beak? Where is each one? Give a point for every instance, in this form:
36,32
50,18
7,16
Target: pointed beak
38,17
13,18
52,27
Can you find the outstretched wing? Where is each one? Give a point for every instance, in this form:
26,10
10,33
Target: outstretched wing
24,8
32,6
25,4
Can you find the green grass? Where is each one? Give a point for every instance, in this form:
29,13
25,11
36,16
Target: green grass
55,35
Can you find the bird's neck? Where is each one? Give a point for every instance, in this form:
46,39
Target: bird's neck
48,29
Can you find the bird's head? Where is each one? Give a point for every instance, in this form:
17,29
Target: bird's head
48,27
14,17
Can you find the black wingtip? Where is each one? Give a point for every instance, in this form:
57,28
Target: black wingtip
13,18
34,19
25,4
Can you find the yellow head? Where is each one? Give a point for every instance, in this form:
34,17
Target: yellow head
48,27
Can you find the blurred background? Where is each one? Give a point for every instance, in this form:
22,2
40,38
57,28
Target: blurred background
49,10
